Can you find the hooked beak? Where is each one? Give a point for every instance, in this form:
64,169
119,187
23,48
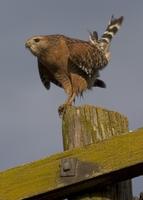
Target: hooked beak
27,44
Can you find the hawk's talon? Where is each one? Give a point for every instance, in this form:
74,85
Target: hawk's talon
62,109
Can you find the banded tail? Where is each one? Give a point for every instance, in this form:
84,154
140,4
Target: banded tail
112,28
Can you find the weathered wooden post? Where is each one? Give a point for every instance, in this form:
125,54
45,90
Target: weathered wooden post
87,124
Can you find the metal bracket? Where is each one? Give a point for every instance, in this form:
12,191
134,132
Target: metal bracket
73,170
68,167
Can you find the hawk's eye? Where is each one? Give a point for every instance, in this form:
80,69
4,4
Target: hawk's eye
37,40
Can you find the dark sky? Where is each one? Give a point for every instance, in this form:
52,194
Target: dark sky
29,124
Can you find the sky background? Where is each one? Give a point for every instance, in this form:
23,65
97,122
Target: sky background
29,124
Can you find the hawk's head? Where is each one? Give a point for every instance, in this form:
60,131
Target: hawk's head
37,44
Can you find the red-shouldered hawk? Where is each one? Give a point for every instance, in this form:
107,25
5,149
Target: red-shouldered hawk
73,64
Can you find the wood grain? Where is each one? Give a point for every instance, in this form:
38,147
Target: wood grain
86,125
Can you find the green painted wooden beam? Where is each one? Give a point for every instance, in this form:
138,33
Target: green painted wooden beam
115,159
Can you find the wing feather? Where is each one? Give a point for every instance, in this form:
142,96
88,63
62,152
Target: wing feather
86,57
46,76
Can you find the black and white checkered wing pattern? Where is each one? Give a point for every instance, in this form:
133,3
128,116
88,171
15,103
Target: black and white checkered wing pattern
87,58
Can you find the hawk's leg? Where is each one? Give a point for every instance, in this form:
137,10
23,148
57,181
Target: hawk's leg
67,86
67,103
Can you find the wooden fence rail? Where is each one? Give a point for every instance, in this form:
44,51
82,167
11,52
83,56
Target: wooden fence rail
44,178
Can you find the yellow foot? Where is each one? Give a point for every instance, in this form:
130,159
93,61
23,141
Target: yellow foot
62,109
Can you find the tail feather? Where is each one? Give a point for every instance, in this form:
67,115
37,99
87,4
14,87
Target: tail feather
93,37
99,83
112,29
